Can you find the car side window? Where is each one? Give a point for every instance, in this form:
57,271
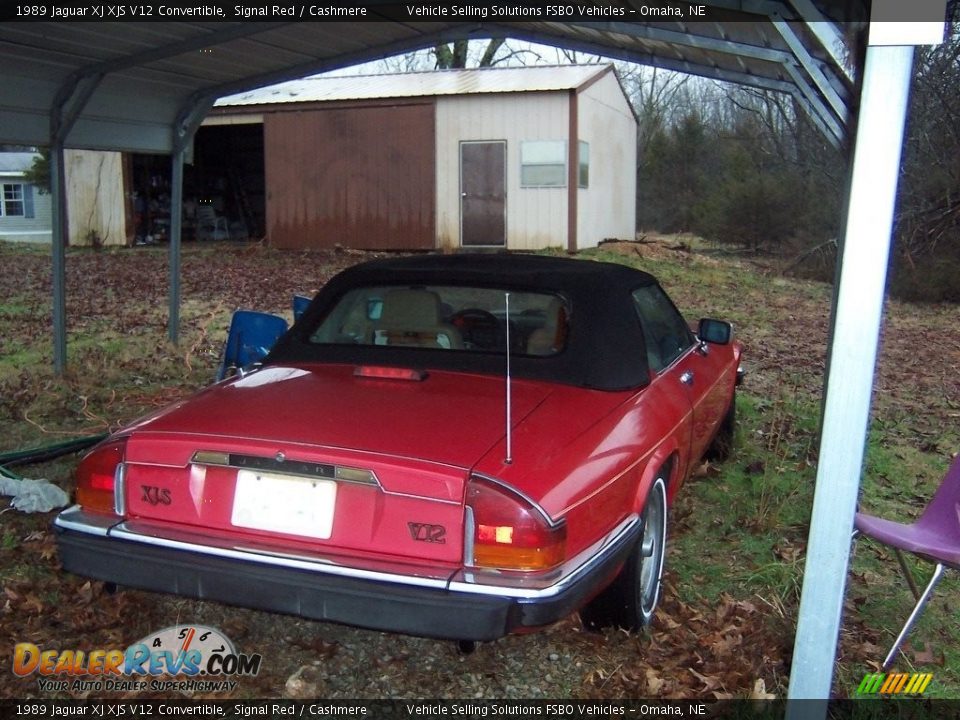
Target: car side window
665,332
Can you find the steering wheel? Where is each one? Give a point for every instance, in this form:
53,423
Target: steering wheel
480,329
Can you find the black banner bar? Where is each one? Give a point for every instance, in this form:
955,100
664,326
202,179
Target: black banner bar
259,10
380,10
865,709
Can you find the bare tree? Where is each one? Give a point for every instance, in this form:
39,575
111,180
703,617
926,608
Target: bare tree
930,186
497,51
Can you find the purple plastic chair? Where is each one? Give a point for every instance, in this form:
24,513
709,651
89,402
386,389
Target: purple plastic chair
935,536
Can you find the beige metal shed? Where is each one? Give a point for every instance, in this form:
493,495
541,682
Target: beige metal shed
522,158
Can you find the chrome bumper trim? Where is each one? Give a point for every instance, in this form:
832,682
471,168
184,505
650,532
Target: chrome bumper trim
498,585
73,518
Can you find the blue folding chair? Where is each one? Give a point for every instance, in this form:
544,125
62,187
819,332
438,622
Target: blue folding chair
300,304
251,336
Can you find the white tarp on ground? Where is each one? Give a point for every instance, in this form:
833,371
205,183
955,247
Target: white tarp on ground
31,496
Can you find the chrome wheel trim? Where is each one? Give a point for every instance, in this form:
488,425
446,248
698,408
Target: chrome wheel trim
652,549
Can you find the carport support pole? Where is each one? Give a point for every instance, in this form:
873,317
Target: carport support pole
850,366
176,226
58,249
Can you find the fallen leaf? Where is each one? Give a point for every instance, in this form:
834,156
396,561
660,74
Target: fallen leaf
710,683
34,604
925,656
85,593
871,650
759,691
654,682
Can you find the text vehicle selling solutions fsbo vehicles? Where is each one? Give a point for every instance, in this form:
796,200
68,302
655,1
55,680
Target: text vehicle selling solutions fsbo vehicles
455,446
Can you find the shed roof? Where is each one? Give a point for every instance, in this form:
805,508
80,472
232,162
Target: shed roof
16,162
421,84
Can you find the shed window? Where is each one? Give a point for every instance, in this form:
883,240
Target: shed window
583,176
543,163
12,200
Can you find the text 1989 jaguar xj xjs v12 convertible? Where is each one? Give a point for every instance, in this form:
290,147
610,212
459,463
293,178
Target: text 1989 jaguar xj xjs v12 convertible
453,446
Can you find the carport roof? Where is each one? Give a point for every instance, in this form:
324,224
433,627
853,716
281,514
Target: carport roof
144,86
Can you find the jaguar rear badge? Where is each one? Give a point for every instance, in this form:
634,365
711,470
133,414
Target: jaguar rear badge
279,457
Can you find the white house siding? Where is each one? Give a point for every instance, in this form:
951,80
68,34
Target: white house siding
536,217
96,205
607,208
27,229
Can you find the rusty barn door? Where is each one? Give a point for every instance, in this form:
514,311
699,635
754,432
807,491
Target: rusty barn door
483,195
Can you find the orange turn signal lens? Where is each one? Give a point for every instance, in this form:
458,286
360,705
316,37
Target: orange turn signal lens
510,531
96,476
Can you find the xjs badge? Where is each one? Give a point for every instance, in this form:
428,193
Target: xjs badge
155,495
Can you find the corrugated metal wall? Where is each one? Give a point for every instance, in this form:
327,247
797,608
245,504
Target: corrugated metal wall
360,177
607,209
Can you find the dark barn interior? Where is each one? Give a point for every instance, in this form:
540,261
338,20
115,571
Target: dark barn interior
223,189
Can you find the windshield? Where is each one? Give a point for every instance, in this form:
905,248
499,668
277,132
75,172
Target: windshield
455,318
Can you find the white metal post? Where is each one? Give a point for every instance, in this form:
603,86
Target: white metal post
851,362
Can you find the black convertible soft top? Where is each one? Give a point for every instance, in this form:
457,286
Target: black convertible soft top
604,349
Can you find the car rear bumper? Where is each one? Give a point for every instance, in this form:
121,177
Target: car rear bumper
453,608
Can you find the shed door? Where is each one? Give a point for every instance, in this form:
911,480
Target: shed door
483,197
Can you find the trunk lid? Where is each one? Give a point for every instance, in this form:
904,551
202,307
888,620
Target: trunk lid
318,458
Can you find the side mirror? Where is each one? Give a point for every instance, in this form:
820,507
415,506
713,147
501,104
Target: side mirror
717,332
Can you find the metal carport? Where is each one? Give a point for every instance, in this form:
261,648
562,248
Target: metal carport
70,84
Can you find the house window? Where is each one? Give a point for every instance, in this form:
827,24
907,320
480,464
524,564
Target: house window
583,176
12,200
543,163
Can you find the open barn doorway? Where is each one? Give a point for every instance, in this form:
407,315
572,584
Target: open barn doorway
228,175
223,188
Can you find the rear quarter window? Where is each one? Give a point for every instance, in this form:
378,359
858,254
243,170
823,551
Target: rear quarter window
665,332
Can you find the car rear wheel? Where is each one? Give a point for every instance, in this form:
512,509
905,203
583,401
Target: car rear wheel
631,599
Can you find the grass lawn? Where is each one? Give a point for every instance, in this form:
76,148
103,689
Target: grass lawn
738,530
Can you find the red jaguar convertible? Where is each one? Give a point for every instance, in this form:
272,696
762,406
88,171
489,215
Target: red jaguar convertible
456,446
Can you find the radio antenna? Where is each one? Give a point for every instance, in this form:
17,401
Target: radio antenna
509,458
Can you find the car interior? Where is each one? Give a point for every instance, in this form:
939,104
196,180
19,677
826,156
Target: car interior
451,318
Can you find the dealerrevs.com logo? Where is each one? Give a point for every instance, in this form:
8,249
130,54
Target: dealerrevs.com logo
188,657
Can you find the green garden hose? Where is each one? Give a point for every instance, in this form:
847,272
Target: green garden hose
46,452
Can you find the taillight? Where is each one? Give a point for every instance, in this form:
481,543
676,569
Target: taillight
509,531
96,476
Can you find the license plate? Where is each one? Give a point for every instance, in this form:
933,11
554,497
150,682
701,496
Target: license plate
285,504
